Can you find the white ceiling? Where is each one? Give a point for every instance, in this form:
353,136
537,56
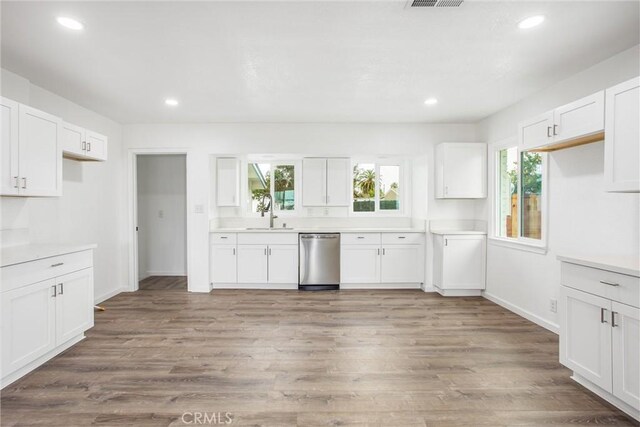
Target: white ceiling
307,61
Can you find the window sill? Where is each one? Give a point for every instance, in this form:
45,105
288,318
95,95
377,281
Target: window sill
518,245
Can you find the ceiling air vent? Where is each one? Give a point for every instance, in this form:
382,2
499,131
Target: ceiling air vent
435,3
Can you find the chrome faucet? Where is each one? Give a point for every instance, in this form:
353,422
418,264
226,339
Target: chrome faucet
269,208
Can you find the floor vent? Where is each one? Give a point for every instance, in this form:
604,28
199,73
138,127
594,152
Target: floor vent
435,3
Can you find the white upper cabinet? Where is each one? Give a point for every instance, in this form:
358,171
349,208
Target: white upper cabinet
325,182
228,181
10,147
622,143
82,144
576,123
461,171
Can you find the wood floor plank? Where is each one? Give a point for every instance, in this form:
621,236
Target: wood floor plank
287,358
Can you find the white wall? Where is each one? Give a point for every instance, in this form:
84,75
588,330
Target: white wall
162,220
582,217
416,141
91,209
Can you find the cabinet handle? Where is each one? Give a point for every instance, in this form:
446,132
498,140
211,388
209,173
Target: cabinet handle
613,319
555,128
402,237
17,182
269,251
265,251
384,251
24,182
446,242
223,237
604,282
55,294
360,237
88,146
84,145
446,190
234,251
602,315
548,131
61,291
378,251
57,264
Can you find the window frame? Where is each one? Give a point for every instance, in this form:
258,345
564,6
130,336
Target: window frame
518,242
273,163
377,162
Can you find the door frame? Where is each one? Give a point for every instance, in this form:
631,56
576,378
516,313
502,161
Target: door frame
132,187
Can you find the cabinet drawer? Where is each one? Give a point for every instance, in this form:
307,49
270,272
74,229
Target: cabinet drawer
607,284
402,238
268,238
223,238
360,238
15,276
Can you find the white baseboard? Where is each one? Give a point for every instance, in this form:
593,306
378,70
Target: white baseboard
623,406
553,327
254,286
459,292
379,285
108,295
165,273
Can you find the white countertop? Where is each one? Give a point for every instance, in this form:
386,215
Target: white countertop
320,230
624,265
32,252
451,232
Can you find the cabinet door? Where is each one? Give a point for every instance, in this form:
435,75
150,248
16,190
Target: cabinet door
621,143
585,335
338,184
73,140
74,304
96,146
360,264
228,185
10,148
283,264
401,264
40,153
580,118
536,132
252,264
223,264
464,170
28,324
314,182
626,353
463,262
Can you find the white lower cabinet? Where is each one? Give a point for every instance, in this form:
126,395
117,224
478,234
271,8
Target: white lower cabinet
252,264
41,319
459,263
600,333
282,266
386,260
223,264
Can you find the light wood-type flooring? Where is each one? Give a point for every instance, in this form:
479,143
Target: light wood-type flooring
285,358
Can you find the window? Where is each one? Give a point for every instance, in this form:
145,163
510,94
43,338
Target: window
376,188
281,187
519,195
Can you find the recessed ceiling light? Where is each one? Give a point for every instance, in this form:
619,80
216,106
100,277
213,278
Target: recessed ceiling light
170,101
70,23
430,101
530,22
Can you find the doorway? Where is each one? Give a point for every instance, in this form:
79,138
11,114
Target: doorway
161,221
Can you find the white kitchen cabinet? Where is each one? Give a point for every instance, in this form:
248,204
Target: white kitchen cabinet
282,264
74,304
459,264
223,264
401,264
228,181
28,324
621,143
585,344
10,148
461,171
82,144
625,329
576,123
31,151
47,305
600,329
325,182
252,264
360,263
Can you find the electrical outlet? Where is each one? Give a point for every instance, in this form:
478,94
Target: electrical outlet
553,305
199,209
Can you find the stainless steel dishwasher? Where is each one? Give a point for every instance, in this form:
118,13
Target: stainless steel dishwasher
319,261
